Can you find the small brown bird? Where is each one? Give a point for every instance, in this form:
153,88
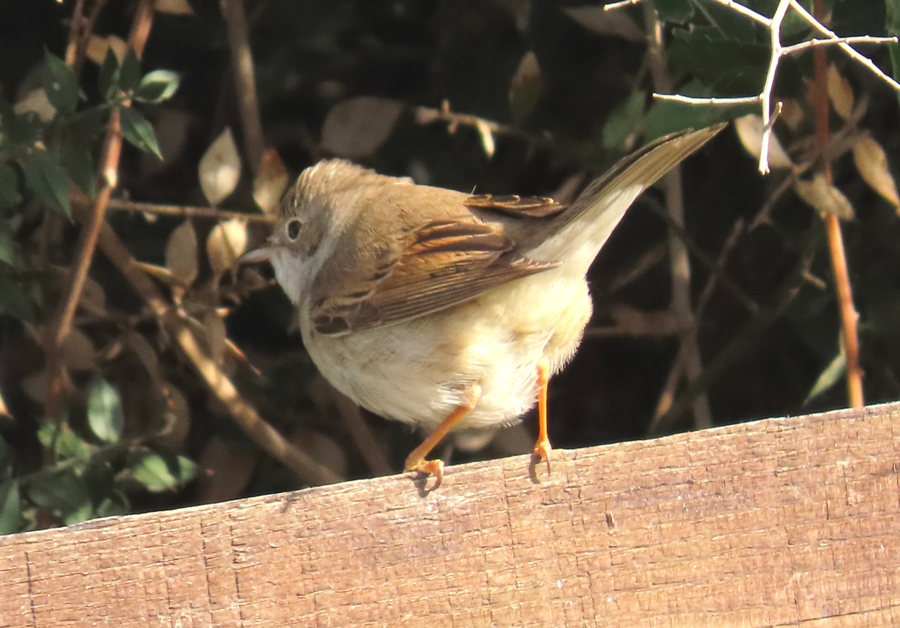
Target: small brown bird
444,309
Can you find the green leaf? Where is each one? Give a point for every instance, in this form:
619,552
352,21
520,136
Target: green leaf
68,446
157,86
14,300
10,507
116,504
735,67
892,26
829,377
137,130
623,120
60,83
79,164
158,473
109,75
46,178
62,491
104,411
46,433
677,11
9,188
79,513
130,72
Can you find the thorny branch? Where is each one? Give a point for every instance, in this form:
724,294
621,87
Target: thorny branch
769,113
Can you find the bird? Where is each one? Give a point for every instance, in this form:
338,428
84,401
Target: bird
442,309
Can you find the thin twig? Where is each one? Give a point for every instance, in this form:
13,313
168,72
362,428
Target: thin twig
87,242
746,340
727,282
244,79
185,211
667,395
612,6
428,115
634,322
847,48
84,37
74,36
678,255
715,100
812,43
849,316
644,263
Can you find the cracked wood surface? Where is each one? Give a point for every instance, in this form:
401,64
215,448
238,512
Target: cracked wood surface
779,522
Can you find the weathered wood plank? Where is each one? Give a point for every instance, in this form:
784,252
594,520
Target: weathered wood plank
785,521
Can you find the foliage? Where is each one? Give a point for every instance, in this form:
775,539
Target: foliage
529,97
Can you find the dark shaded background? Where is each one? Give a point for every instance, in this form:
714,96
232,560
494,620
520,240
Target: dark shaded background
309,55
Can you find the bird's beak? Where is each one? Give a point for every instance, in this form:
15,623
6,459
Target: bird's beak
262,254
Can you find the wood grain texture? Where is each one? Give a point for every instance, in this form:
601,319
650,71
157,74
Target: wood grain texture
779,522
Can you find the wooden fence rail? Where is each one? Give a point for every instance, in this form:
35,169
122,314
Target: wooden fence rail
780,522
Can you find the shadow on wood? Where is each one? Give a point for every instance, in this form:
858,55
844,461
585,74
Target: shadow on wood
782,521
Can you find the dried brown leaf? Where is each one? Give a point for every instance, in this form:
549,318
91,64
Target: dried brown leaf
181,253
36,101
487,137
227,470
220,168
525,86
162,274
824,197
93,298
357,127
98,47
270,182
792,113
226,242
173,7
872,164
839,92
750,131
78,352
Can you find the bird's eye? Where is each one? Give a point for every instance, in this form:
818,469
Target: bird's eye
293,229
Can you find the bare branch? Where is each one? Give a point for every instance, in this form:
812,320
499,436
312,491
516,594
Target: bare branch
770,113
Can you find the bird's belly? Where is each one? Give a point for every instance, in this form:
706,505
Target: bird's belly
419,371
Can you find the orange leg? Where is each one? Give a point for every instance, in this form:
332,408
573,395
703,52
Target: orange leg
416,460
542,447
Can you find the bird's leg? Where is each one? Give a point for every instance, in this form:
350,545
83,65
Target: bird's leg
416,460
542,447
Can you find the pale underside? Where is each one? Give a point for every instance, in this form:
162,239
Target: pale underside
420,370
